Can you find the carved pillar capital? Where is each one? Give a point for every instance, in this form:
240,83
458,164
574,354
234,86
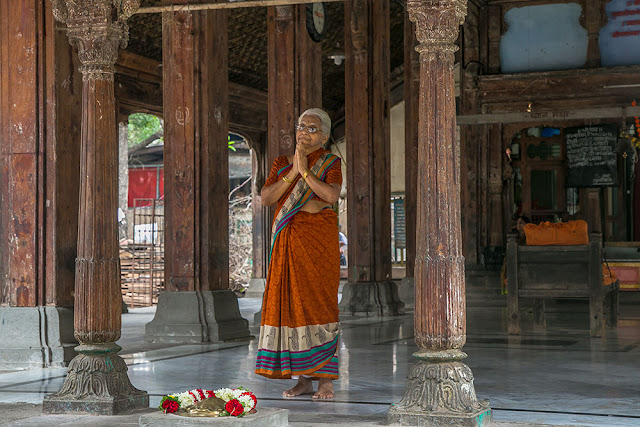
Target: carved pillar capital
97,28
284,13
437,23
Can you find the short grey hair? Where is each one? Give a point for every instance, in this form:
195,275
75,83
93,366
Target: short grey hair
322,115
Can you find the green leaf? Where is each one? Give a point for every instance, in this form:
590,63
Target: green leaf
141,126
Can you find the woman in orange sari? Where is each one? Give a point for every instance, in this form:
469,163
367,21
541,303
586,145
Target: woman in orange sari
299,328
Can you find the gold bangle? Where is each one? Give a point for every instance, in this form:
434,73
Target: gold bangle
284,178
304,175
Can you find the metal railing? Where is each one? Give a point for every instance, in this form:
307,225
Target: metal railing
142,258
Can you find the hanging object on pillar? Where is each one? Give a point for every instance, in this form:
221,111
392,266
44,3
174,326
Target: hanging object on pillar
337,54
317,21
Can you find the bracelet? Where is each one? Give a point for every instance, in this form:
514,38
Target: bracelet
304,175
284,178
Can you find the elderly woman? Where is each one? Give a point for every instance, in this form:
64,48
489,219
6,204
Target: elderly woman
299,329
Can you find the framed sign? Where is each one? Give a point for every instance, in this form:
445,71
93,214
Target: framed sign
317,21
591,157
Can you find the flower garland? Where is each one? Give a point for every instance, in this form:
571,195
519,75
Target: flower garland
635,139
239,401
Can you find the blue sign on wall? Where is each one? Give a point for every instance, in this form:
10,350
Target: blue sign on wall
543,38
620,38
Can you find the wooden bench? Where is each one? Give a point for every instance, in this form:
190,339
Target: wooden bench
572,272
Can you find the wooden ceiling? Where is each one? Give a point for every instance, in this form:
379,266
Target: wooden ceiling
248,61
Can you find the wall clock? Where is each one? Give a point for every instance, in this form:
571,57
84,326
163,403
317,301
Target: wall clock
317,21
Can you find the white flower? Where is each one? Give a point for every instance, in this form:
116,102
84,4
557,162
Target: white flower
225,394
247,402
185,399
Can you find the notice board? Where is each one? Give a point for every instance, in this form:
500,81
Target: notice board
399,229
591,157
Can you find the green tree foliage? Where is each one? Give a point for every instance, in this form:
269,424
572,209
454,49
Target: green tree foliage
142,126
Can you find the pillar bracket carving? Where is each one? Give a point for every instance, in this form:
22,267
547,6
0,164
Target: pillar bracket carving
92,28
437,24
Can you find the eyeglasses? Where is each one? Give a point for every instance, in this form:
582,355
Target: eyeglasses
310,129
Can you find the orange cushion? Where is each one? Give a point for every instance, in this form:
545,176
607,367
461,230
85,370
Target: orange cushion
608,275
562,233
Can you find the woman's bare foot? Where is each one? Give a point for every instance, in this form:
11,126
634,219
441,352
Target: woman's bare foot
325,389
304,386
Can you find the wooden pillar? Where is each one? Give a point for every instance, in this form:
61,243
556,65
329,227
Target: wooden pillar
593,209
370,289
494,35
197,304
97,379
39,179
411,102
260,221
282,111
495,221
406,288
295,85
593,21
439,387
295,76
20,174
308,72
471,139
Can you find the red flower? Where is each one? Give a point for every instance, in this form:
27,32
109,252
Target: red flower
253,397
234,407
210,393
170,406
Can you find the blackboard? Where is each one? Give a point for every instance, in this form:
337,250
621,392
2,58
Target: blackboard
591,157
399,231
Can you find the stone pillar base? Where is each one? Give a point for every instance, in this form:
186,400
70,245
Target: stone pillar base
257,317
93,406
371,299
406,418
36,337
440,392
406,292
193,317
256,288
96,383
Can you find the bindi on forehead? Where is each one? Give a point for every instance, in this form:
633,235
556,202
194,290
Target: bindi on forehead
310,120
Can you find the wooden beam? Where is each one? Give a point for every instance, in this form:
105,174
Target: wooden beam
549,116
139,90
230,5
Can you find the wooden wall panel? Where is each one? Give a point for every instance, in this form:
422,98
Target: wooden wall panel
19,154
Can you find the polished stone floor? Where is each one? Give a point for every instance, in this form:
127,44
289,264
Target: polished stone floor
557,376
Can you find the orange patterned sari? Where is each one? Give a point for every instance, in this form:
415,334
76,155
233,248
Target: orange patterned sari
299,329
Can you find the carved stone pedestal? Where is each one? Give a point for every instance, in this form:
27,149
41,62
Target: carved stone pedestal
257,285
96,383
371,299
193,317
36,337
440,392
406,291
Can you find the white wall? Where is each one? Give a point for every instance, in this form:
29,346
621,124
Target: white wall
397,148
